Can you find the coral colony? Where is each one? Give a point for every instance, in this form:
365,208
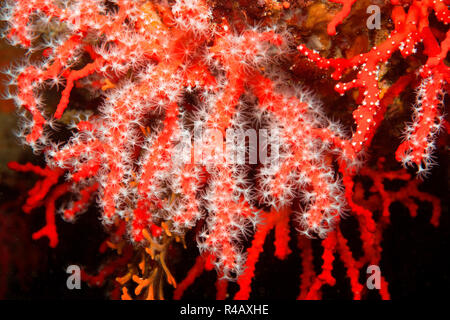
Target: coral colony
174,82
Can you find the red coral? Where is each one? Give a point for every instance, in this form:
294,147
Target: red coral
411,28
340,16
371,231
164,73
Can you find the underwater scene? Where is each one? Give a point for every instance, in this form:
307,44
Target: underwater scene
224,150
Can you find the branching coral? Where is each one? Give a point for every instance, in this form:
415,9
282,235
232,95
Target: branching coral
173,75
411,29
